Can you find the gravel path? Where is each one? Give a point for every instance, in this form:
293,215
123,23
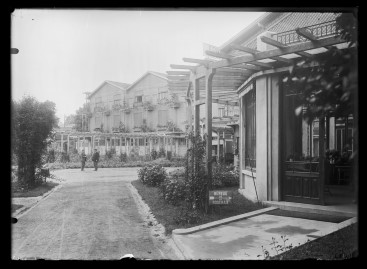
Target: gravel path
93,216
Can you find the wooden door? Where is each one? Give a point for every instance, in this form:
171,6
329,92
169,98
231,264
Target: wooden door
301,157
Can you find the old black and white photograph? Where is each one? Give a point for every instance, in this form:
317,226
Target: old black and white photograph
184,134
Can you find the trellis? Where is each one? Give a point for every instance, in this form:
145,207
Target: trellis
218,81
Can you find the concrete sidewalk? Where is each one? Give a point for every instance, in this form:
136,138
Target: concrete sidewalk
242,237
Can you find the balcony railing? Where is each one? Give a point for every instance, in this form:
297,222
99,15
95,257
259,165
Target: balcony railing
321,30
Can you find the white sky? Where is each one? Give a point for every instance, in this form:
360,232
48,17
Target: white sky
63,53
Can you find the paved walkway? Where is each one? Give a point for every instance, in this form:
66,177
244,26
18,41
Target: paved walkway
93,216
243,239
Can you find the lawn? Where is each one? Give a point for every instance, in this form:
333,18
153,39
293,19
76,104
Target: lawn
342,244
15,207
167,214
37,191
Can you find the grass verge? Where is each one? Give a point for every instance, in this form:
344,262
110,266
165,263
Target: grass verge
342,244
35,192
167,214
15,207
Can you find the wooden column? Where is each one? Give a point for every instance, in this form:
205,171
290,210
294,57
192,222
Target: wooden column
62,143
177,147
196,107
321,158
125,145
208,123
150,145
165,145
120,144
218,147
224,146
83,143
67,149
189,114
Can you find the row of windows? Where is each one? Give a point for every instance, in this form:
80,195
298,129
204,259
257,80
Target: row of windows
139,141
138,98
137,117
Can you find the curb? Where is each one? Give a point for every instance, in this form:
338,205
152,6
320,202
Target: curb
21,211
222,221
309,209
169,240
334,228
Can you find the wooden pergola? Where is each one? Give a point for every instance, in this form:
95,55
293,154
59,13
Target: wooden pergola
218,81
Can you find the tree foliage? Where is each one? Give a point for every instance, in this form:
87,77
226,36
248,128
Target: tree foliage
32,126
326,84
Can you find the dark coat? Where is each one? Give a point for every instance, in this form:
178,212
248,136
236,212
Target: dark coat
84,157
95,157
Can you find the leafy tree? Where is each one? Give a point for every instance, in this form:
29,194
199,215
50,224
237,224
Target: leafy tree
32,126
327,83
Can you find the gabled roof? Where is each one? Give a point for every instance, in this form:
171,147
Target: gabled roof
157,74
121,86
251,29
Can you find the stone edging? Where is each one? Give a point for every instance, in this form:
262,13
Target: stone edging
157,229
21,211
222,221
334,228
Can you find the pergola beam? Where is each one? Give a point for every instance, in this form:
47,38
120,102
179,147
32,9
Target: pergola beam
180,66
266,65
179,78
303,32
218,54
197,61
178,73
248,66
277,52
273,42
305,54
253,52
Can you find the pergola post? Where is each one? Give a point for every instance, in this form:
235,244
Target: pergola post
208,122
62,143
125,145
83,147
321,156
196,107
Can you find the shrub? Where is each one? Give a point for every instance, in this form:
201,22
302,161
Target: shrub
173,190
51,156
110,153
123,157
65,157
188,216
152,175
225,176
161,153
169,155
154,154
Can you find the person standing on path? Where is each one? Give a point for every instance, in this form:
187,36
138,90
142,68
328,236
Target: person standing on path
95,159
83,159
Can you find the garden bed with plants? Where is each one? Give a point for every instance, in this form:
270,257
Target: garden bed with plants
340,245
179,199
111,160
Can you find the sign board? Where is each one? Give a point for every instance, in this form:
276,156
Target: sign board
220,197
